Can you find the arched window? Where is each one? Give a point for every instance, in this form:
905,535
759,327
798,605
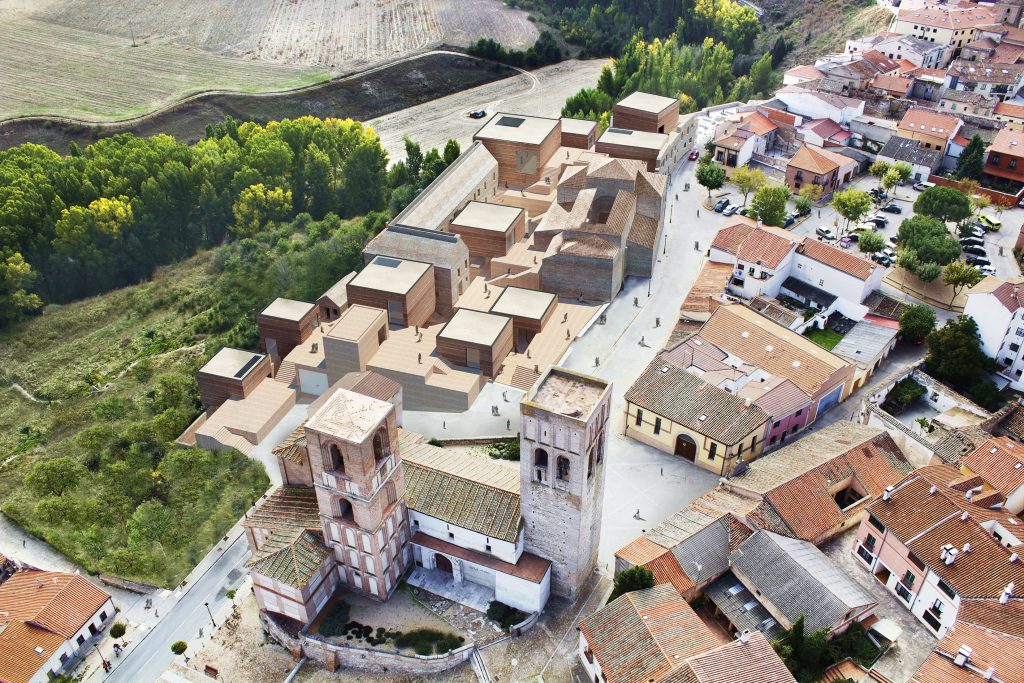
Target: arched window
391,492
563,468
540,458
335,462
590,463
381,447
600,448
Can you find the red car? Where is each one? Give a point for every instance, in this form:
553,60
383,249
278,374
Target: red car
694,155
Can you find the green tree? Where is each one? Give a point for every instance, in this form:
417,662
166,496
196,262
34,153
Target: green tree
711,176
55,477
928,271
972,159
117,630
945,203
955,355
259,206
747,180
451,152
878,169
958,275
803,204
150,522
851,204
769,204
178,647
811,191
413,157
632,579
929,239
16,278
806,655
871,242
761,75
741,90
915,323
891,179
904,169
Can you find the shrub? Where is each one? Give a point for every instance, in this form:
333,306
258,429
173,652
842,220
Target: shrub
336,623
632,579
179,646
427,641
230,594
117,630
506,449
504,615
903,394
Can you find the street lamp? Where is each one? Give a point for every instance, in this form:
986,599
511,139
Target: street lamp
211,614
102,658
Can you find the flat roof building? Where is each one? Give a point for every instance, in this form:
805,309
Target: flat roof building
521,144
489,230
529,309
624,143
476,340
283,325
231,373
405,289
578,133
643,111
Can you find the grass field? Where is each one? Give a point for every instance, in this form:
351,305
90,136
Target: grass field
50,69
827,339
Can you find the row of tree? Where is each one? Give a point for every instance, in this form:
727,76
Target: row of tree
108,215
543,52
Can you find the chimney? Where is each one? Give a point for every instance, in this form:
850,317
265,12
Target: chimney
963,655
990,673
945,551
888,492
745,636
969,496
933,490
966,548
1014,557
964,516
951,556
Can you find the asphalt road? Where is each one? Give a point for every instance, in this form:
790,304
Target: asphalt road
148,658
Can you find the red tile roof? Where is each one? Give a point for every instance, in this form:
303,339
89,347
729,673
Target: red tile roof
948,17
1004,653
839,259
1010,142
896,84
645,635
753,661
817,160
19,659
1008,618
56,601
753,244
1007,109
1000,462
928,122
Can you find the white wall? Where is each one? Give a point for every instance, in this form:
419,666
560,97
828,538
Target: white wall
520,593
466,538
836,281
927,595
71,646
594,672
993,321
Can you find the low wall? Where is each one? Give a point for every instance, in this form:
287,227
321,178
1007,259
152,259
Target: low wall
995,196
334,656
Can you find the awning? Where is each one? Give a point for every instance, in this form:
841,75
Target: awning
888,629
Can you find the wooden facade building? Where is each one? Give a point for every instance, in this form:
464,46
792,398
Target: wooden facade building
625,143
476,340
231,373
405,289
489,230
522,146
579,133
645,112
283,325
529,309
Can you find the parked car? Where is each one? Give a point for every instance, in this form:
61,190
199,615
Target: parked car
826,233
853,236
694,155
880,221
974,249
987,270
990,222
891,208
745,211
923,185
790,219
720,206
878,194
730,210
478,114
977,260
975,231
889,253
880,258
845,242
803,211
972,241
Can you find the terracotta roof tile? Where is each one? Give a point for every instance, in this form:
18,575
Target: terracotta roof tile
948,17
839,259
988,649
896,84
1015,111
918,120
19,660
1008,142
666,569
56,601
753,244
292,561
753,661
816,160
1000,462
644,635
990,614
290,509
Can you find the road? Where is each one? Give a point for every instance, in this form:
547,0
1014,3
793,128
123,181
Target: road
538,93
147,659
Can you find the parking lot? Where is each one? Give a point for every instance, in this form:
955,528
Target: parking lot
998,245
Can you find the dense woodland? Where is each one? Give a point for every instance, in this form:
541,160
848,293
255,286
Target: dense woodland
109,214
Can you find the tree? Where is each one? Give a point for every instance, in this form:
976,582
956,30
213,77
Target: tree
904,169
55,477
945,203
711,176
117,629
958,275
747,180
871,242
451,152
972,159
929,239
978,204
259,206
150,522
916,323
928,271
811,191
803,204
16,278
878,169
761,75
891,179
632,579
413,157
806,655
955,355
741,90
851,204
769,204
178,647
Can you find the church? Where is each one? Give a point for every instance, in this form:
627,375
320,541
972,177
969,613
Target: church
365,503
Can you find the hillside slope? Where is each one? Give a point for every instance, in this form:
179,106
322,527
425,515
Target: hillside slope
817,27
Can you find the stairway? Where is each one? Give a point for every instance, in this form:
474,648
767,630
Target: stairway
286,373
523,377
479,668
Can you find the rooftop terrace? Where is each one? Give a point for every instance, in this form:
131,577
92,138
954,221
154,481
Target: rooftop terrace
569,393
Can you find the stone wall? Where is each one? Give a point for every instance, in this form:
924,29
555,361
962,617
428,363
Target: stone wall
334,656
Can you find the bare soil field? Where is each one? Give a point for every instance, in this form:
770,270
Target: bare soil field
402,85
51,69
339,34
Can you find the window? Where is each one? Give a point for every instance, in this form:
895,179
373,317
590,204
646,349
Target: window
821,283
657,425
563,468
869,542
875,522
540,458
451,536
776,424
863,553
1015,347
63,657
753,442
945,588
994,158
381,448
488,547
916,561
639,417
80,639
334,460
773,440
103,616
712,450
908,579
799,412
903,592
1013,163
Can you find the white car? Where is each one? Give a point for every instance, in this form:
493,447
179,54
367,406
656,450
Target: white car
988,270
827,233
923,185
890,253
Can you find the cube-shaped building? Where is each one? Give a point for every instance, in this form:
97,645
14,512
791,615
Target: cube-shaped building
231,373
403,288
489,230
646,112
579,133
522,145
529,309
476,340
283,325
625,143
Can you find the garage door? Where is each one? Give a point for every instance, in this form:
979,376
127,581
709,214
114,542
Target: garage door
830,400
313,383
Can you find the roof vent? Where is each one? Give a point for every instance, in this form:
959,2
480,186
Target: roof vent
990,673
933,490
769,348
1017,465
796,364
1007,593
744,334
664,368
951,556
966,548
39,650
1014,557
993,450
888,492
745,636
963,655
702,418
964,516
646,617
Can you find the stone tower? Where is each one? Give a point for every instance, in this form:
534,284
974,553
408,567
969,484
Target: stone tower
354,459
563,441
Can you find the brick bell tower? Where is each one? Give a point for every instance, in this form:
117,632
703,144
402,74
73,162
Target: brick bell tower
563,441
354,457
